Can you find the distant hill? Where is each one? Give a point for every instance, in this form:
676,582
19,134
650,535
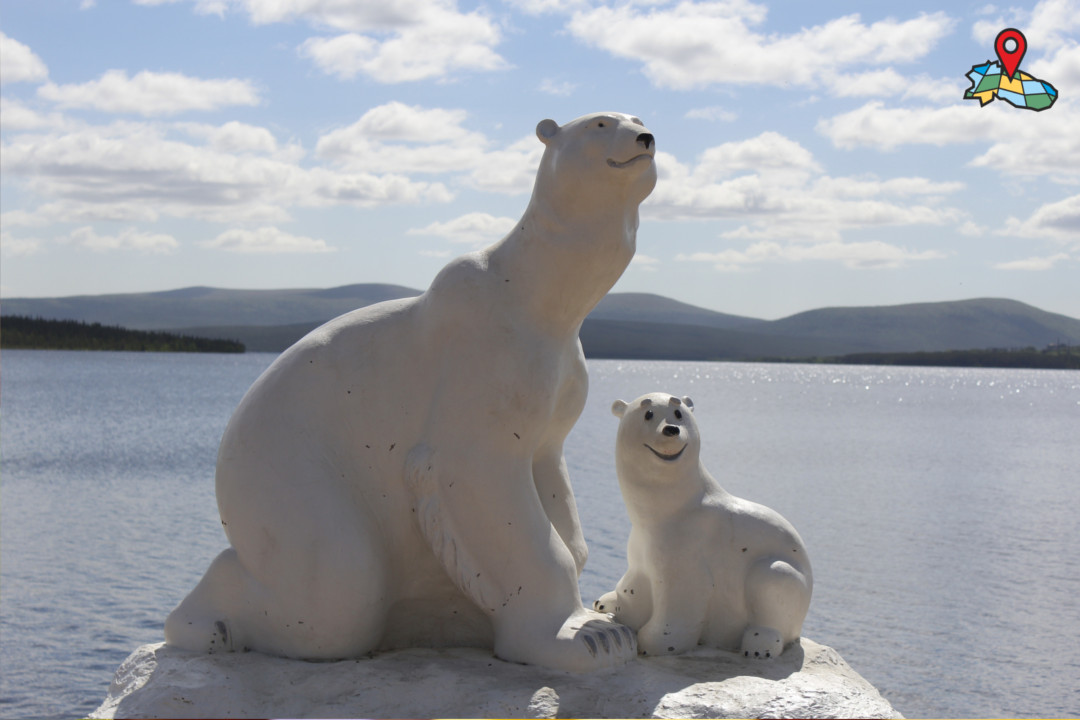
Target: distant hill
207,306
959,325
623,325
648,308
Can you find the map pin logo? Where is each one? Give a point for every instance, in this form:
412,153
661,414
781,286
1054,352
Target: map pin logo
1010,59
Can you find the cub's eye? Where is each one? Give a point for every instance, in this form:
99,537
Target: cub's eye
648,414
678,414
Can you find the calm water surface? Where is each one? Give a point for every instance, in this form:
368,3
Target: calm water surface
939,508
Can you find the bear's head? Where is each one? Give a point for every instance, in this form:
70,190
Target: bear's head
656,430
596,162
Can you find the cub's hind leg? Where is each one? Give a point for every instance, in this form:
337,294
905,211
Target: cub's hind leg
777,599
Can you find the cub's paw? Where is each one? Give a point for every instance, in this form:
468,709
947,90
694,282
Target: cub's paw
761,643
607,603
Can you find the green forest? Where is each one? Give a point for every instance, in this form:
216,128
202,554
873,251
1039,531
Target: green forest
1054,357
25,333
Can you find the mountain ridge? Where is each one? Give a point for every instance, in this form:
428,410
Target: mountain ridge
624,325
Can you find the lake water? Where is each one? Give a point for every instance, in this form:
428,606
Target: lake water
939,508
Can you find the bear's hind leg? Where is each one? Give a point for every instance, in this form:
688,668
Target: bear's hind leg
202,622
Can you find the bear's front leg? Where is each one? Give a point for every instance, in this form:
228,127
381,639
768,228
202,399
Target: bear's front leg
557,496
484,519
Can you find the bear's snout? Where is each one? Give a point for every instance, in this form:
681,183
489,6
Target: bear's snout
646,139
671,430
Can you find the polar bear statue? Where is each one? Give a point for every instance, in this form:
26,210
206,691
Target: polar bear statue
705,567
396,478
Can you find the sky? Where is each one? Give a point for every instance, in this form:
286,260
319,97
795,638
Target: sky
809,154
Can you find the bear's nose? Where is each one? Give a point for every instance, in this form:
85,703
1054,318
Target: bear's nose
646,139
671,430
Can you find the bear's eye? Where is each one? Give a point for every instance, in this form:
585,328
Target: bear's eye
678,414
600,124
648,414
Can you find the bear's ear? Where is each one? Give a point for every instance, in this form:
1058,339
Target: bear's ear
618,408
688,403
546,129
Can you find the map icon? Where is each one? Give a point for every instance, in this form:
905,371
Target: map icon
1005,81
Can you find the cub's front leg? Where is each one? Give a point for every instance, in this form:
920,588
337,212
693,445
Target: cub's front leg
677,619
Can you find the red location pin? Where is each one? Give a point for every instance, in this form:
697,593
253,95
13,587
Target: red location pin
1010,59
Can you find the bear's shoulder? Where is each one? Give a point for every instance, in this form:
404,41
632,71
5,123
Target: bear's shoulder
464,281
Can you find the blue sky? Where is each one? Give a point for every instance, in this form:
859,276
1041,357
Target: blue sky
809,154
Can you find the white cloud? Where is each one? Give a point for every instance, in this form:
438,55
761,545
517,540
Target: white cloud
1058,221
202,7
511,170
541,7
18,63
1060,68
790,210
446,42
240,138
1020,142
12,246
473,228
644,262
142,168
412,139
390,42
150,93
712,113
266,240
15,115
397,121
552,87
777,186
769,152
1033,264
681,46
971,229
887,82
857,255
1046,26
128,239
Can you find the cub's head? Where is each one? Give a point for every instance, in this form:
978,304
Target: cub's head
597,159
656,430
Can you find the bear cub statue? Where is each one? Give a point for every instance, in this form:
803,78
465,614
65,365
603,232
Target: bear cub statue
705,567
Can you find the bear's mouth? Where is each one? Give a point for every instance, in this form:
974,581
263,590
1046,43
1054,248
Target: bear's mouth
627,163
666,458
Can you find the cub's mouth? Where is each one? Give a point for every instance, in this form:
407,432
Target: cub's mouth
667,458
642,158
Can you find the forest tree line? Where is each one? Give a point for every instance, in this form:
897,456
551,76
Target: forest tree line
1052,357
25,333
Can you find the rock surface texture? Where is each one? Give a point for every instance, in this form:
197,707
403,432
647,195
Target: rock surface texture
808,681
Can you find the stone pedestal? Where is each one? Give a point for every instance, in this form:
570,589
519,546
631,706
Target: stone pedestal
808,681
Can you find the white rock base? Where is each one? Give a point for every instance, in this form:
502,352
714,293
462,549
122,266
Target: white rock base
808,681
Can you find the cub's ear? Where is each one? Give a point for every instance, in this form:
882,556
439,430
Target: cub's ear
688,403
546,129
618,408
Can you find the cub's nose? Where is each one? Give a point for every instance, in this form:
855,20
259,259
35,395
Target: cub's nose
646,139
671,430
